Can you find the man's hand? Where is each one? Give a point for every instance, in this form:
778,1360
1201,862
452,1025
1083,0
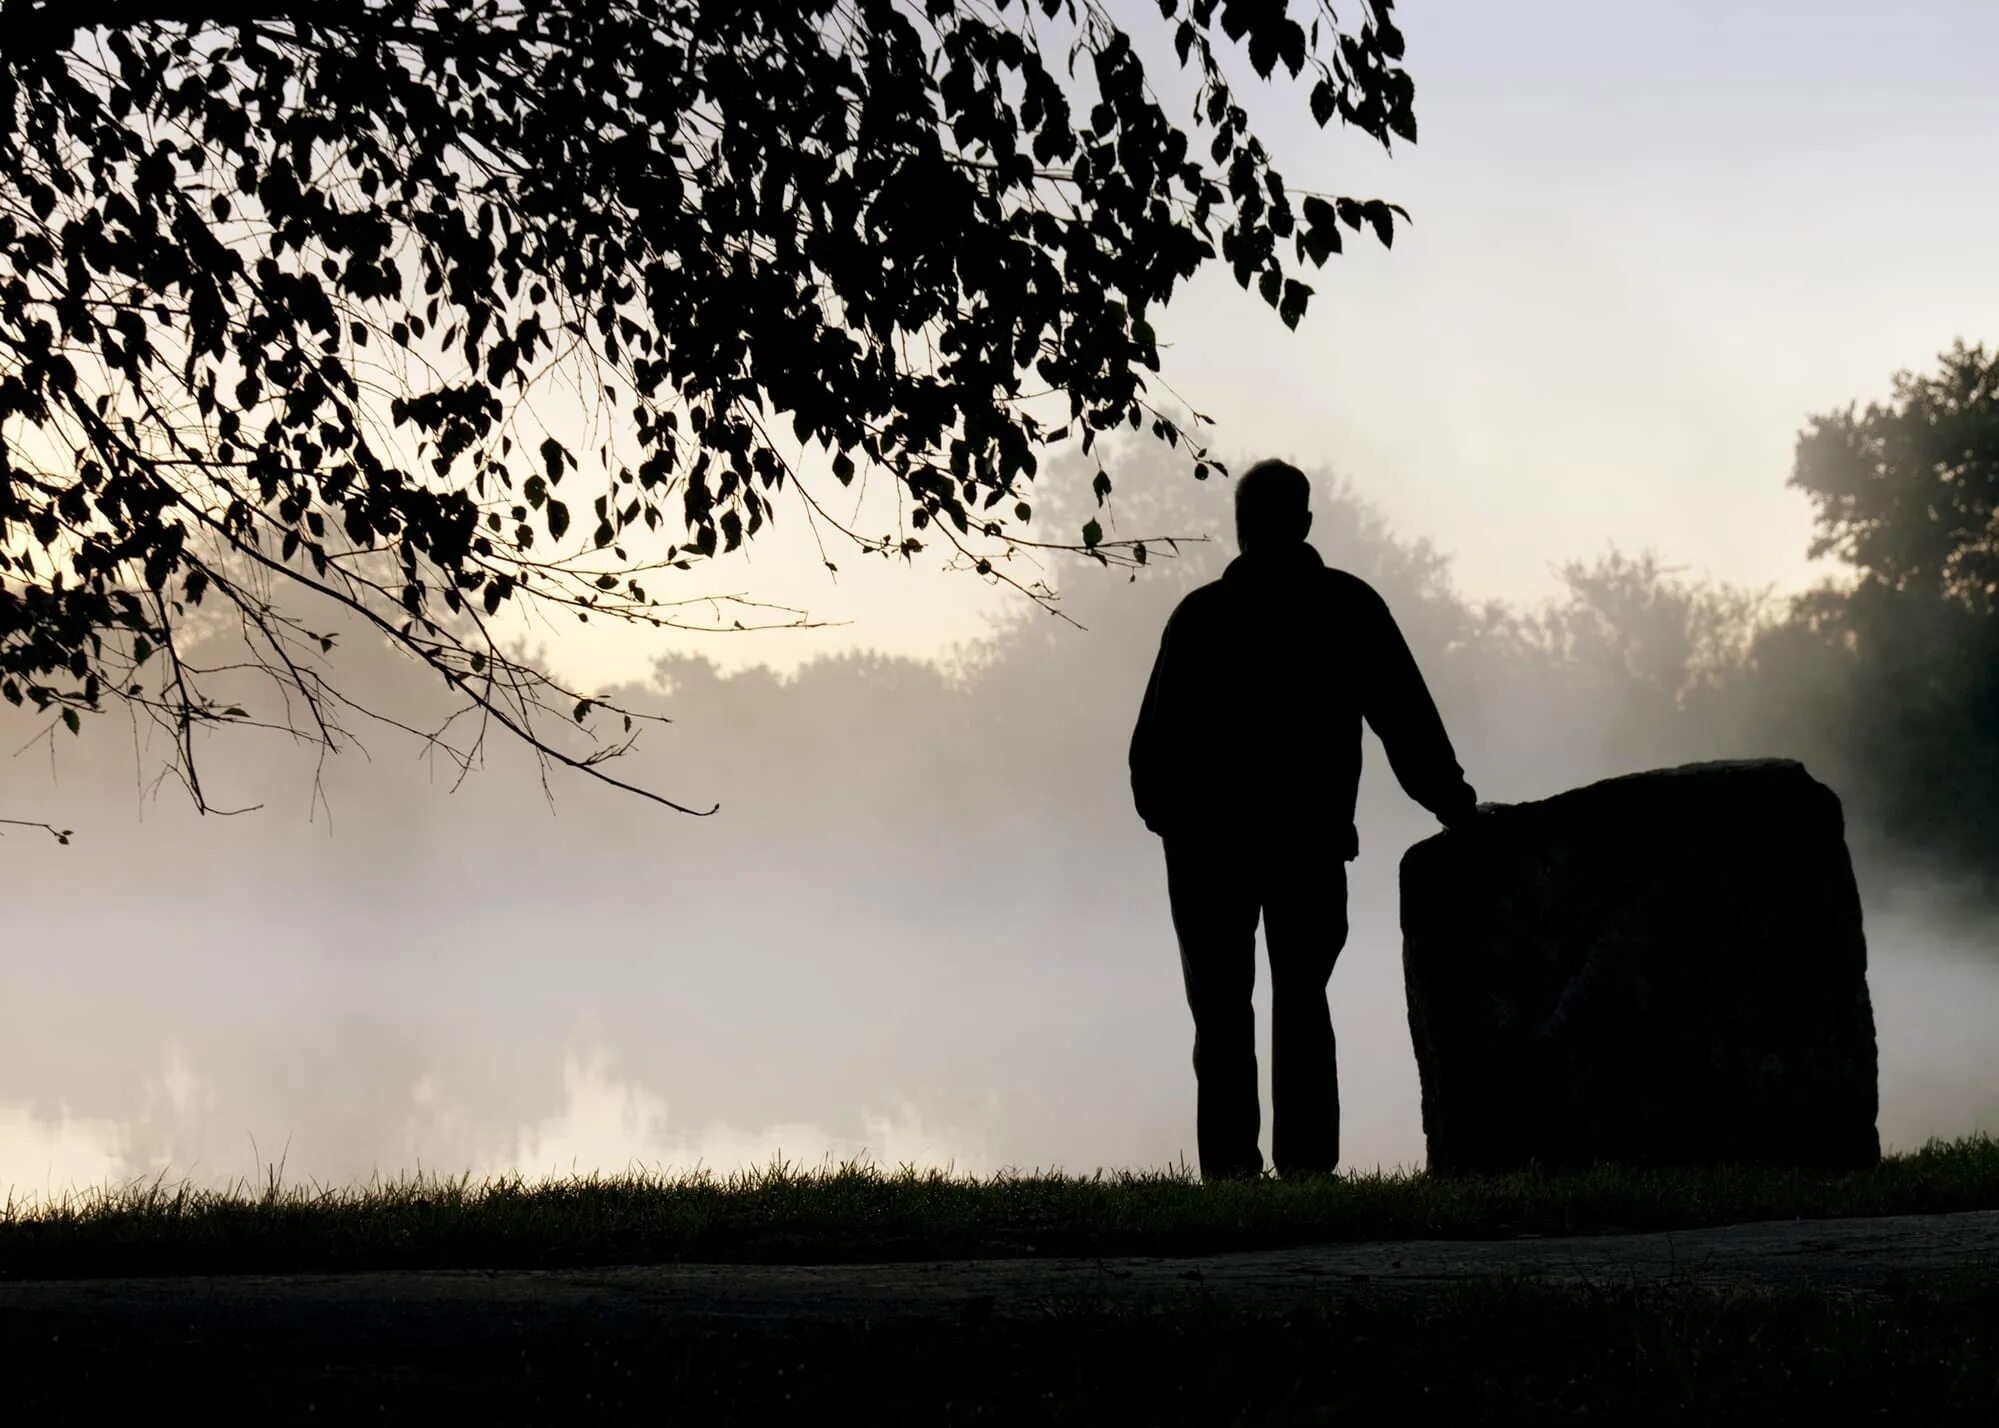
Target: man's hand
1461,810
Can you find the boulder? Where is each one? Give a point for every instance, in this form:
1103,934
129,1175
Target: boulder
1663,968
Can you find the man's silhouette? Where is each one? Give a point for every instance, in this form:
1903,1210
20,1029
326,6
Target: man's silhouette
1246,762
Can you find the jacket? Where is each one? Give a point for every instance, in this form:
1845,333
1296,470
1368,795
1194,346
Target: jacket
1251,719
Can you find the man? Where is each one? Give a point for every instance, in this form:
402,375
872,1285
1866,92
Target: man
1246,762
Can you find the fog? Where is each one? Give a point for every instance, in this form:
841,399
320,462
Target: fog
924,928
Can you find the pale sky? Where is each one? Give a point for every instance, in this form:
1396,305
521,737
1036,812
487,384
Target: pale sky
1648,242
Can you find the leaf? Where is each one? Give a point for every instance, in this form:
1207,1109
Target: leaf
1263,52
71,721
1291,45
558,519
1093,533
1292,308
1376,213
1102,486
1324,103
1320,237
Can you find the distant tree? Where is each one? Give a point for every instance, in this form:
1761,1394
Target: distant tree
1897,669
1645,635
1908,493
1885,681
347,299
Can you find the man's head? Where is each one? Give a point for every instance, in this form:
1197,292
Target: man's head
1270,506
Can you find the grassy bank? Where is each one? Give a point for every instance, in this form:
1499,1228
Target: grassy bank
860,1214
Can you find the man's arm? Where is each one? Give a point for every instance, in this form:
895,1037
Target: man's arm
1150,746
1398,707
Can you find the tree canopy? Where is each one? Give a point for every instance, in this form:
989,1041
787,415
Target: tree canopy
422,308
1898,668
1908,492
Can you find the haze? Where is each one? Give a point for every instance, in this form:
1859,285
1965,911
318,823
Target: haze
925,926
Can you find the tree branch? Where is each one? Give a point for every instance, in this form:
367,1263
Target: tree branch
61,835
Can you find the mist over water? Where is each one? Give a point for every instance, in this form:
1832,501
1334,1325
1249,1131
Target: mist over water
925,928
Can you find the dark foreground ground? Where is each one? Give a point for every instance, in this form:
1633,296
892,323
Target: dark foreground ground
1895,1319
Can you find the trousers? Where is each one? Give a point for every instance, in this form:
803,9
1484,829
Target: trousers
1218,888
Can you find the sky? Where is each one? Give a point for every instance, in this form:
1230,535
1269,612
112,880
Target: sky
1647,243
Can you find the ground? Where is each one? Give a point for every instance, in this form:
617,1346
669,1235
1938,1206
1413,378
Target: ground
1708,1294
1881,1315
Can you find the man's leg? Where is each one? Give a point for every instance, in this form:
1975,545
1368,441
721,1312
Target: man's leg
1305,925
1214,916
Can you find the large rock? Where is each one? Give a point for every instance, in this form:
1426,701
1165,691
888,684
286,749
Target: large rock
1667,967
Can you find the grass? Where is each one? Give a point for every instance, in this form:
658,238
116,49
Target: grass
1485,1352
857,1214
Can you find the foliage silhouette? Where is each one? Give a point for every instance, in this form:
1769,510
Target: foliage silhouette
344,300
1896,674
1906,493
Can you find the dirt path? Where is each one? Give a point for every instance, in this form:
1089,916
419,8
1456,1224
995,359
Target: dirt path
1856,1254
